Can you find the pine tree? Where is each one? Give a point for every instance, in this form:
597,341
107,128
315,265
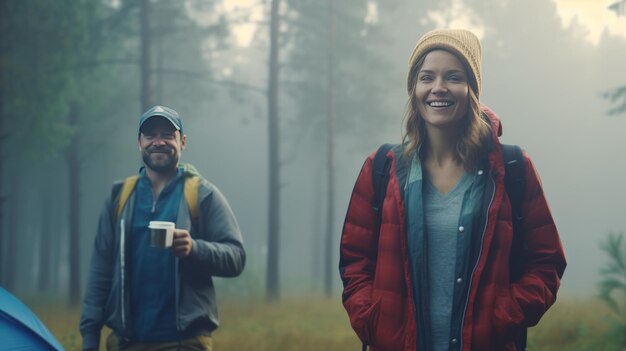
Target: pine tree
338,87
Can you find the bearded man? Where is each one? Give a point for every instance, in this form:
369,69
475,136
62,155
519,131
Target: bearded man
155,298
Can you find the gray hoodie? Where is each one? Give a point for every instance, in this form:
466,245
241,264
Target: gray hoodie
217,250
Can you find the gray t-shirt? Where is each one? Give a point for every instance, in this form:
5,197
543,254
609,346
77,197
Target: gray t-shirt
441,216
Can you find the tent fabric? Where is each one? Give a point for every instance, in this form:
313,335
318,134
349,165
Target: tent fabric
20,329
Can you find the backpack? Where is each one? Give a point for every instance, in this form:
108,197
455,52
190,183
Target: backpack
126,188
514,183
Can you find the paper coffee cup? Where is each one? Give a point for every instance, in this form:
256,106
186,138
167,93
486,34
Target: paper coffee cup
161,233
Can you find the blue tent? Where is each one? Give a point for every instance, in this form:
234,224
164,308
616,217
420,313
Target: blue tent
20,329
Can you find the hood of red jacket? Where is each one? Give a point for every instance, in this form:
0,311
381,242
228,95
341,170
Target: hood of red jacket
496,124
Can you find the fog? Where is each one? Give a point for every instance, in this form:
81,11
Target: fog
544,80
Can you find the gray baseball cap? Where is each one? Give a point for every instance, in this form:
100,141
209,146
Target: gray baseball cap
162,111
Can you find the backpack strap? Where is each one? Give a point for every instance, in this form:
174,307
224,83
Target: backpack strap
380,176
127,188
515,185
190,192
514,181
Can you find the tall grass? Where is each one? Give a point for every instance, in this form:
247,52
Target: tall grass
303,324
577,325
297,324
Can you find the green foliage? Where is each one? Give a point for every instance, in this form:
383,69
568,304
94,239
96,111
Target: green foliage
614,272
616,96
617,333
57,53
612,288
41,41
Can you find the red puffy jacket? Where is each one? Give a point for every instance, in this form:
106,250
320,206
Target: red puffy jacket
376,273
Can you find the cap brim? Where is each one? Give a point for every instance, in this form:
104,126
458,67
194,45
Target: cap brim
169,118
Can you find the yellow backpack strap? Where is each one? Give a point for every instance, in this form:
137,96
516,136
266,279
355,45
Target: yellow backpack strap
191,195
127,189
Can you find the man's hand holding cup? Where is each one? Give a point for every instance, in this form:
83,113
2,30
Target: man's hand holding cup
164,235
182,243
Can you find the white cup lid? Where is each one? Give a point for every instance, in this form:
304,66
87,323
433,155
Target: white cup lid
161,224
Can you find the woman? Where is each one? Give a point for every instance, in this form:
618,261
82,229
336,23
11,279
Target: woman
433,270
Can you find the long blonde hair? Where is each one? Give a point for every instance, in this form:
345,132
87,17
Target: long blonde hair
474,129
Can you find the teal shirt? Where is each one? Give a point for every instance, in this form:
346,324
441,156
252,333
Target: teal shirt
443,232
153,275
417,240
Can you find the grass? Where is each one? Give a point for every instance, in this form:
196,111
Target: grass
305,324
576,324
293,324
297,324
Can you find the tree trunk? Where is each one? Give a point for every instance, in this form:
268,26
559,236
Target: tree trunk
159,65
330,157
57,257
273,245
317,240
74,213
45,240
12,230
2,194
2,137
146,86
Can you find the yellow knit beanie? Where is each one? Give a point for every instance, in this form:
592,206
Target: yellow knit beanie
462,43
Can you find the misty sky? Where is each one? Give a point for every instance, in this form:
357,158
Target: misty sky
547,95
543,77
545,66
593,15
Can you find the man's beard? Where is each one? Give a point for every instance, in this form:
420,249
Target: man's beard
164,165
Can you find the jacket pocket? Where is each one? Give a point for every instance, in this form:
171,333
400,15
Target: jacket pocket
388,322
507,318
371,321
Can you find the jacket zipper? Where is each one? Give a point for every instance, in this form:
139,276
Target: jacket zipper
477,260
122,268
177,276
176,293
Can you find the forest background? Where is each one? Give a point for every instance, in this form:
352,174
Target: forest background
282,100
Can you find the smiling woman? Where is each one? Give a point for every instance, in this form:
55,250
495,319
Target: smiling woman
441,91
435,254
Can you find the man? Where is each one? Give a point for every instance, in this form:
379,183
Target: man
153,298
